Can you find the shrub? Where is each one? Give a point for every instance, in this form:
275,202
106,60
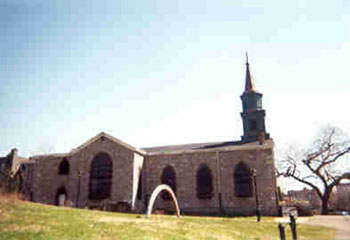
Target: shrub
304,208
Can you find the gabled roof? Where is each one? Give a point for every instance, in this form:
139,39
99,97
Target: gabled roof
113,139
90,141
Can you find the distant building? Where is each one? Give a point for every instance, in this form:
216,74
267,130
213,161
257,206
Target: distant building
11,162
9,168
207,178
307,195
340,198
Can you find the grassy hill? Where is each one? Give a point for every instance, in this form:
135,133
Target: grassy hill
25,220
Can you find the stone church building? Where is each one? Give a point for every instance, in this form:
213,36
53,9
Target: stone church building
229,177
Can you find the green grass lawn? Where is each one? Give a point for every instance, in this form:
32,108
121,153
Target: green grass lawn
24,220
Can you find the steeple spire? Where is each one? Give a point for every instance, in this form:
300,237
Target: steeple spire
249,81
253,114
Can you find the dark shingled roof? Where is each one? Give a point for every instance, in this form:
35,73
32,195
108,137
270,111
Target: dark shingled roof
196,147
172,149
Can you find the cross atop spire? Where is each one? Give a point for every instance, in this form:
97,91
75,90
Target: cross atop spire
249,81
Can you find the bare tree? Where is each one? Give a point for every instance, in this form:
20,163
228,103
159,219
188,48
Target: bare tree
321,167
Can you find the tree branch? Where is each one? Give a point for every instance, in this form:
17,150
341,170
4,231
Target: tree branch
308,183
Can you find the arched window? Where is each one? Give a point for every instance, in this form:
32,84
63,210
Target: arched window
168,178
100,177
242,181
63,168
204,182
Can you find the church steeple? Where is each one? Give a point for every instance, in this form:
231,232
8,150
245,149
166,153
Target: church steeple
249,81
253,115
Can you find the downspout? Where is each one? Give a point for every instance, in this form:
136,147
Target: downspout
144,194
218,181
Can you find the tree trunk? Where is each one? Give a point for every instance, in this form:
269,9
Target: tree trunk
324,209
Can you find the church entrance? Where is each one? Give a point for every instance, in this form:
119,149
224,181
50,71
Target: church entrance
61,197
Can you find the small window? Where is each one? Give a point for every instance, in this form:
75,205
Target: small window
168,178
63,168
242,181
204,182
259,103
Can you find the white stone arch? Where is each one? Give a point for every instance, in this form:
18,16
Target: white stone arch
156,192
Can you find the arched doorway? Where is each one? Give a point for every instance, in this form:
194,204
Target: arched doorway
61,197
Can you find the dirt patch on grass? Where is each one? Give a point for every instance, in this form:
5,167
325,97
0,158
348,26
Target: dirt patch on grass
6,201
9,197
3,215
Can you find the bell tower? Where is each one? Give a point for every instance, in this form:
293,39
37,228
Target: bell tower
253,115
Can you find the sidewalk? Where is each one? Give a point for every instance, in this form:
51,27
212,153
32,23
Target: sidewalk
341,223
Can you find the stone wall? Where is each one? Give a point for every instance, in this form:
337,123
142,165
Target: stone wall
27,171
47,180
128,164
260,159
222,164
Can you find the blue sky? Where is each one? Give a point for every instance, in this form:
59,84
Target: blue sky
168,72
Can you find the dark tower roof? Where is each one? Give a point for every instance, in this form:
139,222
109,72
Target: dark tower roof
249,81
253,114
